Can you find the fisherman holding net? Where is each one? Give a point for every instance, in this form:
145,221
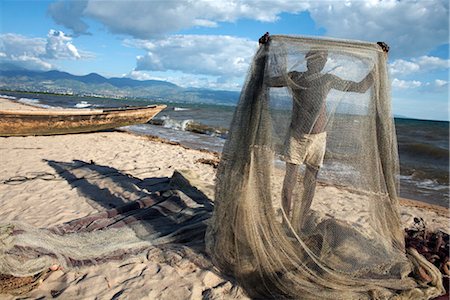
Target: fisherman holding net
352,245
306,140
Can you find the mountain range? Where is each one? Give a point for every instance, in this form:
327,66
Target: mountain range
94,84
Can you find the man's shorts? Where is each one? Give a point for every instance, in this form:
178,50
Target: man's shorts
308,149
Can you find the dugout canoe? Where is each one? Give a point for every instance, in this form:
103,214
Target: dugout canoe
63,121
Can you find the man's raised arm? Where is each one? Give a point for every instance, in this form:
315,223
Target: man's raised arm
358,87
352,86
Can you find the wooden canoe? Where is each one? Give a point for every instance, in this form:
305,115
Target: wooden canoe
63,121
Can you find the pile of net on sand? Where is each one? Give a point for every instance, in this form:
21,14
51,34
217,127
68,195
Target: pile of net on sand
306,200
171,211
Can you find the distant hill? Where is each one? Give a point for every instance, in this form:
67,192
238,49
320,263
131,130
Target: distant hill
97,85
92,78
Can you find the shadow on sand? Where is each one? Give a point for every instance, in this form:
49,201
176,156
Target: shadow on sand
158,209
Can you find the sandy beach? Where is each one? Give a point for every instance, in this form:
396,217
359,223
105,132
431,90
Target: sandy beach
34,191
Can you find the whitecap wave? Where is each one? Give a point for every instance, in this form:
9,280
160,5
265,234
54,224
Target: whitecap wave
180,109
83,104
34,102
175,124
424,184
8,97
31,101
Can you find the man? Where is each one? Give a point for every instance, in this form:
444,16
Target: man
306,140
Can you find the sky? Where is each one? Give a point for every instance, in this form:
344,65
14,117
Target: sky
210,44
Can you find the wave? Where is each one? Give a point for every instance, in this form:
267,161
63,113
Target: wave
8,97
82,104
167,122
426,151
180,109
425,172
427,184
190,125
34,102
31,101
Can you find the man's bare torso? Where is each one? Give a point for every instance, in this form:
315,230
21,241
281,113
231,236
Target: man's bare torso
309,95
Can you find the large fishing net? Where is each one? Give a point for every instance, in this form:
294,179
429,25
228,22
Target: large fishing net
306,198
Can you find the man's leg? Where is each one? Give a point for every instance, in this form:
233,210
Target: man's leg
289,182
300,212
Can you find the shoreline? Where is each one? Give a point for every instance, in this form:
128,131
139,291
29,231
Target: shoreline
441,210
8,104
427,189
206,161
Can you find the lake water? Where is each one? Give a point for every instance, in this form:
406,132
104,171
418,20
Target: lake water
423,145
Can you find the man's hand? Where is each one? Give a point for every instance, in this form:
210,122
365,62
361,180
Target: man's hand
384,46
264,39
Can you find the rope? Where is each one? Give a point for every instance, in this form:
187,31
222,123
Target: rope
47,176
35,175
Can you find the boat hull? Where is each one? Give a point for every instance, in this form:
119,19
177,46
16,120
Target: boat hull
52,122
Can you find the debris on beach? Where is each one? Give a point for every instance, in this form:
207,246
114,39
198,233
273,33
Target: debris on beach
434,246
212,162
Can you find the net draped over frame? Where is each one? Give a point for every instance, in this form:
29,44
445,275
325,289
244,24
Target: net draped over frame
306,203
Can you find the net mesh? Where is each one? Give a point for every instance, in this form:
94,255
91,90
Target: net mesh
306,204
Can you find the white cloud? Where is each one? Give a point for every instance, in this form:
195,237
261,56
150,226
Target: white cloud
207,82
28,62
23,51
36,53
69,13
436,86
420,64
204,23
401,66
60,46
147,19
432,62
412,28
16,44
140,75
222,56
405,84
188,80
441,83
218,62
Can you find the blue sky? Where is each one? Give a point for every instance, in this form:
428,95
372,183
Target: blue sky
210,43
